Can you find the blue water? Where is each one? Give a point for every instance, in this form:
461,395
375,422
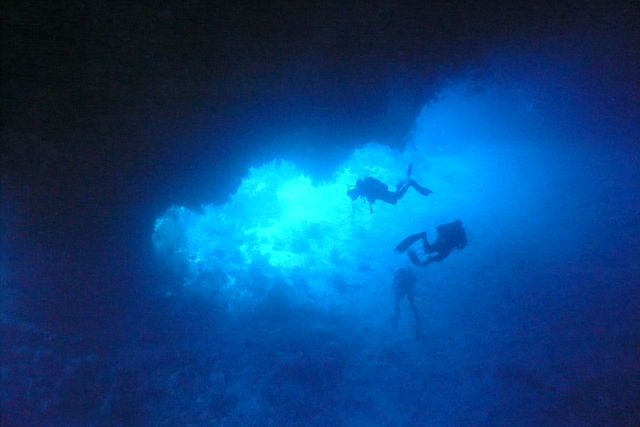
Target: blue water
276,305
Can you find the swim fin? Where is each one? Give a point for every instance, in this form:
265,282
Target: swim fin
422,190
408,241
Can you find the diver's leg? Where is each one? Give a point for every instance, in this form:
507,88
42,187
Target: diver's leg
419,331
441,247
442,254
419,188
425,243
413,257
387,196
402,188
396,313
410,240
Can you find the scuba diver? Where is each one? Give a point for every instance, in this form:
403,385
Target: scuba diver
450,236
372,190
404,285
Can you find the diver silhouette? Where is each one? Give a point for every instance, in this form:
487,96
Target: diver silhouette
372,190
404,285
450,236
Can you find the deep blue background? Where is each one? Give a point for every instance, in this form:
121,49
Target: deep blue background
112,113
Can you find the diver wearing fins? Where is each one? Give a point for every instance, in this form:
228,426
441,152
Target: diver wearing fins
404,285
450,236
371,189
